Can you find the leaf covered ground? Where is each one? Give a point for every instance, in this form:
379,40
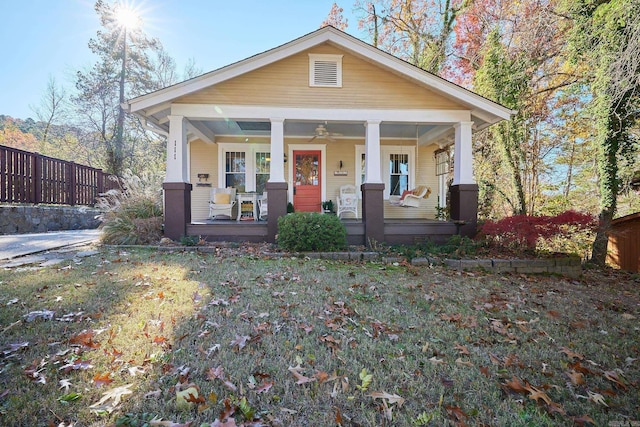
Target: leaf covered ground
139,337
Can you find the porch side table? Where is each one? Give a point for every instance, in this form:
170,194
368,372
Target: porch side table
247,198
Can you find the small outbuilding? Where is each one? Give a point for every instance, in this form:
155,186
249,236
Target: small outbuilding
623,249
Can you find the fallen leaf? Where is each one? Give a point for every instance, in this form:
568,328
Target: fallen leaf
111,399
462,349
159,339
537,394
159,422
39,314
596,398
185,398
301,378
70,397
484,370
583,420
214,373
240,341
437,361
459,361
85,339
614,377
577,378
338,417
264,387
15,347
100,380
391,398
64,384
571,354
134,370
554,408
457,413
515,385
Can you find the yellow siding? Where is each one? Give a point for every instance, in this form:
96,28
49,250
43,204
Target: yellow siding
341,150
204,159
286,83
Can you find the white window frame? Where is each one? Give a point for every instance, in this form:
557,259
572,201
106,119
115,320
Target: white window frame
250,151
313,58
385,152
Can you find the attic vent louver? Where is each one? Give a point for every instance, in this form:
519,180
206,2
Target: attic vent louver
325,70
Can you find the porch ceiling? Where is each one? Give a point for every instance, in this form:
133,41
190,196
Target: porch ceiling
307,129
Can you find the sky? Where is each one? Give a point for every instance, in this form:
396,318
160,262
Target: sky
43,39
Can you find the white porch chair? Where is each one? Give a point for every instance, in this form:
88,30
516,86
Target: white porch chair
263,207
411,199
348,200
221,202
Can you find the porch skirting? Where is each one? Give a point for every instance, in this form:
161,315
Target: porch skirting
400,231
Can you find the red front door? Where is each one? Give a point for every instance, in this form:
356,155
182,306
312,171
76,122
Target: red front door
307,181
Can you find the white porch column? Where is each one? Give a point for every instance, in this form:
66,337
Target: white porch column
177,169
373,172
277,150
442,191
463,155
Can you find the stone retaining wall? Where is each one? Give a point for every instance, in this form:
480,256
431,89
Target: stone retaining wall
566,266
569,266
15,219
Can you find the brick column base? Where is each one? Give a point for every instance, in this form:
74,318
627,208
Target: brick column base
373,212
177,209
277,199
464,208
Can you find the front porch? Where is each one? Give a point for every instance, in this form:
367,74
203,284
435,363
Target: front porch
396,231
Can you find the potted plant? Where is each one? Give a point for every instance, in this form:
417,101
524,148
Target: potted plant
327,206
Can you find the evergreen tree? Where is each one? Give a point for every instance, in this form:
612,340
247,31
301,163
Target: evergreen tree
123,71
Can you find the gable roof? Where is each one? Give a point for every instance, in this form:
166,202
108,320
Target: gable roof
487,111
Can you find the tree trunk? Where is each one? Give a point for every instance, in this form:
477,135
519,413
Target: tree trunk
612,137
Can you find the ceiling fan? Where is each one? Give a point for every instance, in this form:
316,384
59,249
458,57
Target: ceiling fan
323,133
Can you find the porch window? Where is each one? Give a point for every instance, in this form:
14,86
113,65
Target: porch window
442,162
235,168
245,167
398,169
263,168
398,174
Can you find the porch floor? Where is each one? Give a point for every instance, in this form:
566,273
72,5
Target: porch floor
396,231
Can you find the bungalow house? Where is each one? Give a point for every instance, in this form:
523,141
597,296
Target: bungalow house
307,118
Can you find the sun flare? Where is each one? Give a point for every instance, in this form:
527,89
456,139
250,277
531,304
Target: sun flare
127,17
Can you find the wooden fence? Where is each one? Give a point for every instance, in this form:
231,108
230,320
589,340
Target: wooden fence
32,178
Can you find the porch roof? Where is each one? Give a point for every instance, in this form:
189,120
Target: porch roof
156,106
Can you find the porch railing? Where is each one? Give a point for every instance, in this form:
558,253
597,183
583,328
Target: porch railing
27,177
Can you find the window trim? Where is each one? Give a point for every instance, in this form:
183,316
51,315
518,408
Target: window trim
385,152
250,151
313,58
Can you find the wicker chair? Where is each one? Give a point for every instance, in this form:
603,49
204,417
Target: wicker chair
348,200
222,202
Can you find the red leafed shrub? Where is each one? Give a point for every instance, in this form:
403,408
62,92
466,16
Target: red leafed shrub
524,233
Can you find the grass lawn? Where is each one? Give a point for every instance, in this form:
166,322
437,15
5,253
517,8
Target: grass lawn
139,337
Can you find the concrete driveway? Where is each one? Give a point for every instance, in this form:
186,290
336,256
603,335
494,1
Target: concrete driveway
17,245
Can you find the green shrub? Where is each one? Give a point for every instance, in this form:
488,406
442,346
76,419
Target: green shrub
132,214
189,240
311,231
456,246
